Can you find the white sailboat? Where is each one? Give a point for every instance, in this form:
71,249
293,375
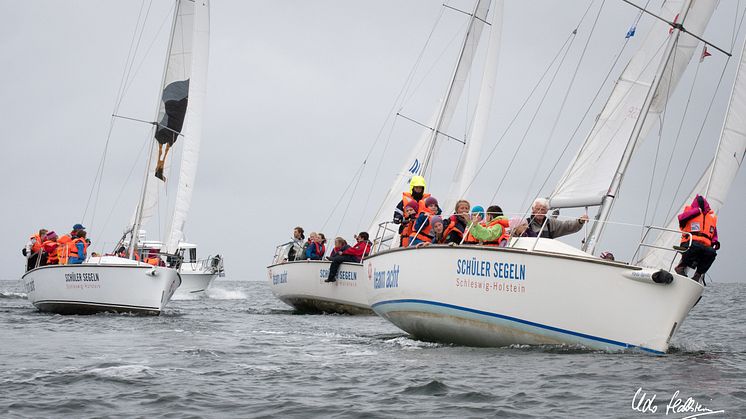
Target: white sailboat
126,284
300,284
542,291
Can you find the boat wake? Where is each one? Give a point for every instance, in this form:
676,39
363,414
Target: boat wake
10,295
225,294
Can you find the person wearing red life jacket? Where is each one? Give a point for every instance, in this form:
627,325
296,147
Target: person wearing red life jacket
356,253
407,223
49,249
422,227
699,221
494,231
456,223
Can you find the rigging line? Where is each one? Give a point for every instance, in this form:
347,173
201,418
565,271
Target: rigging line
375,175
352,198
520,110
660,138
456,36
699,135
147,52
99,169
118,102
533,118
676,143
121,190
323,226
128,81
562,106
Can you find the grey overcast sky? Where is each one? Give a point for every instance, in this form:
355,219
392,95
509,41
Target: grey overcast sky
298,92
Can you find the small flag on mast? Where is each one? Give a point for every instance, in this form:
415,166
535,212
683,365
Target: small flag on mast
705,54
631,32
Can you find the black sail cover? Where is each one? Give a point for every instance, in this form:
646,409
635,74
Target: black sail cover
175,97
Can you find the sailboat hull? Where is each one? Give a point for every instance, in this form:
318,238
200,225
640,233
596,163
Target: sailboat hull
91,288
301,285
481,296
194,281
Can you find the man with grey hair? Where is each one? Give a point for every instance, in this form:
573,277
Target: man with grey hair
554,228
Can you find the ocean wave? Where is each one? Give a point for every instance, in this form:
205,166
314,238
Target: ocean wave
225,294
431,388
405,342
10,295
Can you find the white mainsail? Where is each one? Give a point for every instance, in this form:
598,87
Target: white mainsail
192,130
588,178
718,178
441,119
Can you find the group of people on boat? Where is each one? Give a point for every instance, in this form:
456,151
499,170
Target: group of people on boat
315,249
421,224
312,249
47,248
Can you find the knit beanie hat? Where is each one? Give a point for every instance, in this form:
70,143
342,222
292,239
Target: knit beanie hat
430,201
414,205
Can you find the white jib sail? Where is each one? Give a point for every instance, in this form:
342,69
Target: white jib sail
588,178
467,165
414,164
718,178
192,130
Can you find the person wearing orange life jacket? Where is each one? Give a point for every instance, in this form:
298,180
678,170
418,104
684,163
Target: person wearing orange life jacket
422,227
49,249
77,251
700,221
407,225
32,250
65,242
456,223
494,231
416,194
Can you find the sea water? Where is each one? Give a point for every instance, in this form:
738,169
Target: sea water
239,352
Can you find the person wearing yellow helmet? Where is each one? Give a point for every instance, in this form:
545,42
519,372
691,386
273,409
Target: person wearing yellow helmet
416,195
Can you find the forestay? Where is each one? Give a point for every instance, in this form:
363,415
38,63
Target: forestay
717,179
588,179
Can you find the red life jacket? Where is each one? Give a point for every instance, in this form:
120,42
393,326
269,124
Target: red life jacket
702,228
50,248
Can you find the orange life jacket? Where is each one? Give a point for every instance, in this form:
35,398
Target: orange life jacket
37,242
51,248
469,239
62,248
453,226
155,261
406,233
702,228
424,234
504,237
72,248
406,197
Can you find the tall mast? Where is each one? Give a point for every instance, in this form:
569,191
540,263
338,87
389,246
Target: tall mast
446,101
140,207
608,200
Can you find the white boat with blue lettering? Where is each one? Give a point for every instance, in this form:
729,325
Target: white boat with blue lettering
300,284
540,291
118,282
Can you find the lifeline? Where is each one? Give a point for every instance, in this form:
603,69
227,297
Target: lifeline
486,268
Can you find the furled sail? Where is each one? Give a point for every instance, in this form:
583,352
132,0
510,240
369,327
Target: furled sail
588,178
717,179
192,129
441,119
